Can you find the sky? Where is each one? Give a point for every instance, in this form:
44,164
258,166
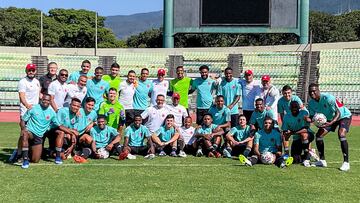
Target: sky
103,7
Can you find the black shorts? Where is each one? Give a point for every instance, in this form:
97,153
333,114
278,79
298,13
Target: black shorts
129,116
234,120
36,140
342,123
189,149
247,115
51,136
296,145
200,115
143,150
238,149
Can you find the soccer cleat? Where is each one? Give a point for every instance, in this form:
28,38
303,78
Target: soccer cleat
131,157
306,163
173,154
199,153
149,156
243,160
313,155
13,157
321,163
123,155
210,154
217,154
79,159
345,166
162,153
289,161
182,154
25,164
226,153
58,160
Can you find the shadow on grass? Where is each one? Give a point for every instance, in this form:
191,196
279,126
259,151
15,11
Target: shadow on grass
5,154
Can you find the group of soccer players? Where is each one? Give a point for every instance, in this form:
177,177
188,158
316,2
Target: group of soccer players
91,115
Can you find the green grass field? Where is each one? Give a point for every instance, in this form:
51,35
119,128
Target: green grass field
188,179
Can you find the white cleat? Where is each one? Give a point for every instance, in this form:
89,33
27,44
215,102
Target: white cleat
182,154
306,163
321,163
313,155
130,156
345,166
149,156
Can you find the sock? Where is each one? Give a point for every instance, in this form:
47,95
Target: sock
247,152
86,152
25,153
215,146
211,149
229,149
286,149
320,146
305,147
253,160
58,151
344,148
118,148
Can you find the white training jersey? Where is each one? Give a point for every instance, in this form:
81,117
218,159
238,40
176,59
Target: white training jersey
270,97
59,91
179,113
159,88
126,97
75,91
249,92
187,135
31,88
156,117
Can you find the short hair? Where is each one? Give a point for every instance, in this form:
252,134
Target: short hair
74,99
293,103
179,67
101,116
112,89
63,70
286,88
46,94
204,67
145,69
131,71
115,65
268,118
51,63
160,95
90,99
188,117
85,61
219,96
208,114
314,85
242,115
259,99
82,76
99,68
170,116
228,68
137,116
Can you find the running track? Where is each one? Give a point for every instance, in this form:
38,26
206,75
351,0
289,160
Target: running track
14,117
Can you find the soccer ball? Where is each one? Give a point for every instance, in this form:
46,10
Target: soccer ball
319,119
104,154
267,158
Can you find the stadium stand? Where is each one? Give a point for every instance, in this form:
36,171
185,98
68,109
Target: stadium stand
216,61
136,61
73,63
340,76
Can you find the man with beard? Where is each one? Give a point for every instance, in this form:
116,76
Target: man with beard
97,87
58,90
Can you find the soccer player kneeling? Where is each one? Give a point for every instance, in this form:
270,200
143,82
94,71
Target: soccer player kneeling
135,135
209,137
295,124
165,138
268,141
104,140
187,139
239,140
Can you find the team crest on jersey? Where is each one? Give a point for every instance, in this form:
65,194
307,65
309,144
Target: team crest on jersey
233,86
272,140
147,86
163,115
299,120
324,105
140,134
47,117
72,121
101,87
209,83
89,119
179,110
165,85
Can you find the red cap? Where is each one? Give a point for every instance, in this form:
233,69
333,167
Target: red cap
30,66
265,78
161,71
176,95
248,72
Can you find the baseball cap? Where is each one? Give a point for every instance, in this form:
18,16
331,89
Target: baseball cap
248,72
176,95
161,71
265,78
30,66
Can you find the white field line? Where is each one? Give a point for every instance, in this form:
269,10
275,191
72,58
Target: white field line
152,165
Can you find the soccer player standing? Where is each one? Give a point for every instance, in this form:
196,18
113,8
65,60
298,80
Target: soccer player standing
142,92
126,96
230,89
58,90
250,90
204,87
113,78
160,86
97,87
85,70
181,85
270,94
76,90
49,77
337,116
283,105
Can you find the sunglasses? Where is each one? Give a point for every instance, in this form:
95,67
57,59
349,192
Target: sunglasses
63,74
